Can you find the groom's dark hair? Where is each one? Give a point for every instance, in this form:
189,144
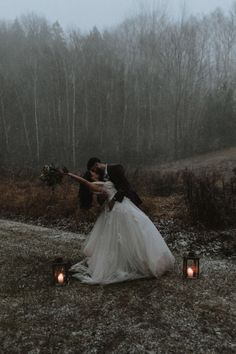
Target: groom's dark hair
91,162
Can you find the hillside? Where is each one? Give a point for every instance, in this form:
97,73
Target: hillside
221,160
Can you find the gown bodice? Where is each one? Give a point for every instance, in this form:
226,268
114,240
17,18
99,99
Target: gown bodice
109,188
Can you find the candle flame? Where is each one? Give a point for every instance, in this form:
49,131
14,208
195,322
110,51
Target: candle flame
190,272
60,278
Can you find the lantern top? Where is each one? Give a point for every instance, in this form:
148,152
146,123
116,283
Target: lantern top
191,255
58,260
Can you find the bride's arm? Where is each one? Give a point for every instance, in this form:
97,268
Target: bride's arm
97,188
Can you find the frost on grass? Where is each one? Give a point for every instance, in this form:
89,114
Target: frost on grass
166,315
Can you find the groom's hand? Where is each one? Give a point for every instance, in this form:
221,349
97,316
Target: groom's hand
111,204
119,196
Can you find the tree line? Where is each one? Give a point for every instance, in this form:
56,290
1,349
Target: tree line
149,90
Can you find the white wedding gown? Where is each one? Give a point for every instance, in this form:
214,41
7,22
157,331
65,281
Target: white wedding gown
124,244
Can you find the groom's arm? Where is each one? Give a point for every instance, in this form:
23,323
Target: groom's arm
125,191
121,192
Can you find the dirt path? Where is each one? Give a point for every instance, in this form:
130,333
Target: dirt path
163,315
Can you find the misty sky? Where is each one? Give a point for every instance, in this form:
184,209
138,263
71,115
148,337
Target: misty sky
103,13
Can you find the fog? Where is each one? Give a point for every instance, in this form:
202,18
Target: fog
102,13
149,89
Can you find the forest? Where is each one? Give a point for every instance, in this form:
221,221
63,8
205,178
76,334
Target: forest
148,90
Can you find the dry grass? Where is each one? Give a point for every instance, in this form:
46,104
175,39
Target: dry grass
165,190
165,196
33,201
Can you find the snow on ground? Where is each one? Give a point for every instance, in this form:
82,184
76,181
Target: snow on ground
166,315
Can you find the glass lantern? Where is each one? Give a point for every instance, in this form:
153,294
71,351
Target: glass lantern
60,272
190,266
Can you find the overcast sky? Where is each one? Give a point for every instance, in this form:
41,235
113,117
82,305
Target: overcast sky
101,13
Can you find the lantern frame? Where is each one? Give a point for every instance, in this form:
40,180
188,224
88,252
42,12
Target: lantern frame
60,267
192,259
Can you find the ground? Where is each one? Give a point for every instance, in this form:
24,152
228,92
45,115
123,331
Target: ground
166,315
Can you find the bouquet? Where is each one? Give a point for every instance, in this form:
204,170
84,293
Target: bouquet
52,175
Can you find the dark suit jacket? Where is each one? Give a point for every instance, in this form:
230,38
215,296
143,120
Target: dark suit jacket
116,175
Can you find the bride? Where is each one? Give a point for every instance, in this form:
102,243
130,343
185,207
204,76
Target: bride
124,244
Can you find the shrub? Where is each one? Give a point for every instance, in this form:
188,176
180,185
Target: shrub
210,198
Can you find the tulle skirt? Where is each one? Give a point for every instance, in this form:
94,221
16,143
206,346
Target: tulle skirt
123,245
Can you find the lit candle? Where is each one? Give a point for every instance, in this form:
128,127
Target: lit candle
190,272
60,278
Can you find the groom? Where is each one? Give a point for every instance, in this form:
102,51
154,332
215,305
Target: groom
116,174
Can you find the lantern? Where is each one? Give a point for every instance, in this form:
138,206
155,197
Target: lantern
60,272
190,266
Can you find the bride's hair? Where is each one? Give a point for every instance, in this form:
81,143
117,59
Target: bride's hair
117,176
